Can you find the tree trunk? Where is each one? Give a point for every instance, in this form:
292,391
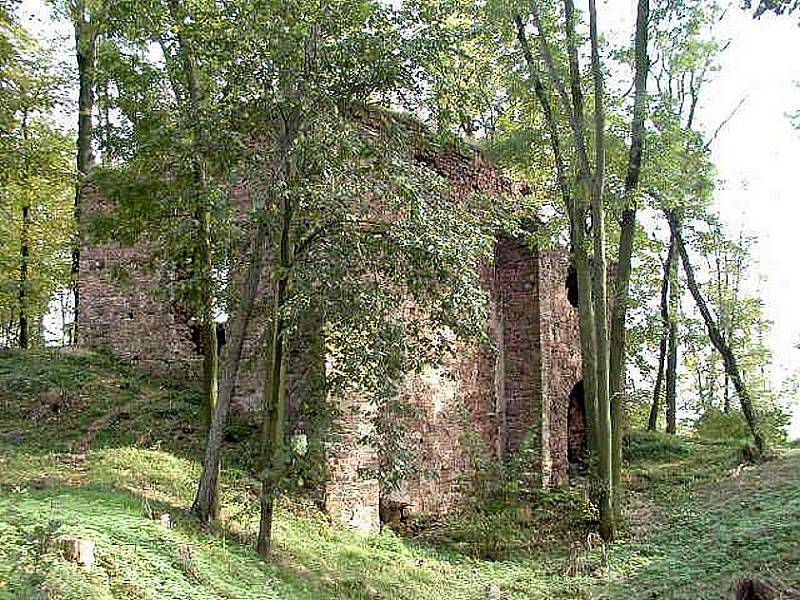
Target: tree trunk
729,360
577,224
206,501
672,379
627,233
728,326
24,254
204,264
600,270
274,415
652,422
580,257
202,259
23,338
85,50
727,402
672,346
587,337
596,351
596,355
272,433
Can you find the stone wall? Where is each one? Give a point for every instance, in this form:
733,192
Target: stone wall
488,400
502,399
119,307
561,356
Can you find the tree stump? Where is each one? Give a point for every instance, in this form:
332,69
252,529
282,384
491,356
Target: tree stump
745,588
79,550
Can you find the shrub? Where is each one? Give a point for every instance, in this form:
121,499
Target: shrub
653,445
500,529
715,424
718,425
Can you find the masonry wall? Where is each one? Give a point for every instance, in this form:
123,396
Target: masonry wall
119,307
561,357
495,401
487,401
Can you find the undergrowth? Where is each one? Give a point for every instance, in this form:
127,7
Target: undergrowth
704,517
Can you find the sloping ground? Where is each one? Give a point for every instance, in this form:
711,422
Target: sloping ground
60,401
697,520
745,524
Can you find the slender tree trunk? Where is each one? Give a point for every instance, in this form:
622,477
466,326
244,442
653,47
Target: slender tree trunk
206,501
729,360
727,401
202,260
275,390
24,256
672,345
577,224
728,326
85,50
587,333
723,319
23,338
672,375
272,432
208,322
652,422
580,256
655,406
627,233
596,359
600,270
576,204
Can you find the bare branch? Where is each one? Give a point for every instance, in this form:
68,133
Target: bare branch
724,122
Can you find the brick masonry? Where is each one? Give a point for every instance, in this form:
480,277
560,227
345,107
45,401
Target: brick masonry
486,400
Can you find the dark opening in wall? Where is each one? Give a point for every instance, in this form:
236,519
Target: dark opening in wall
196,333
576,425
572,286
220,335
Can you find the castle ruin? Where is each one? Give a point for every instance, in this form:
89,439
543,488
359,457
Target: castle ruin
524,393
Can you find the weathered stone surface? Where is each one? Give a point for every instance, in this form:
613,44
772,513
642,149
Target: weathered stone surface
561,356
351,496
120,310
488,399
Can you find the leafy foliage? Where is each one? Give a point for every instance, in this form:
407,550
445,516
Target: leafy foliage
36,221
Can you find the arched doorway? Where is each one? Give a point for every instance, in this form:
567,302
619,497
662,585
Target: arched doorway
572,286
576,425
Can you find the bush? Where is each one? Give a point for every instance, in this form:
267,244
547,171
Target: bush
715,424
653,445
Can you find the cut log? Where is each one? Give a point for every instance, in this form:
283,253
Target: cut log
79,550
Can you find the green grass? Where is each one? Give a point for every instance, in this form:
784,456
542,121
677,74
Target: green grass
696,519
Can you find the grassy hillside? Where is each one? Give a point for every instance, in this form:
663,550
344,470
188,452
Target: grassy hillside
90,447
